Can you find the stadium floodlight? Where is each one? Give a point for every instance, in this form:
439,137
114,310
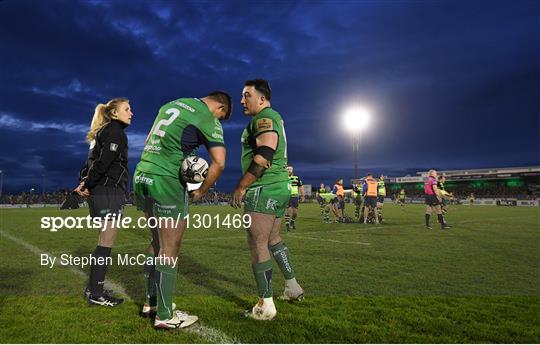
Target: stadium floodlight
355,120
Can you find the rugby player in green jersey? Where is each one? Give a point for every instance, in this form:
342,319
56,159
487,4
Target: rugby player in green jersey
443,193
471,199
358,200
297,188
326,199
381,194
402,197
180,127
265,186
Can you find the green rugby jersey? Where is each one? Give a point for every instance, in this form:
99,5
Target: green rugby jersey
268,120
441,187
381,188
327,197
296,183
180,127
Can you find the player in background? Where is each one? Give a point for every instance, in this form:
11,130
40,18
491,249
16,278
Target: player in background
433,201
358,199
339,202
325,201
471,199
180,127
320,200
444,194
296,189
370,198
402,197
104,181
381,194
265,185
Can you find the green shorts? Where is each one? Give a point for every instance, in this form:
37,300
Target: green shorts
163,196
269,199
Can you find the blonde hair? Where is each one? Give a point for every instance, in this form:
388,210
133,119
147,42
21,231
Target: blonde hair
102,116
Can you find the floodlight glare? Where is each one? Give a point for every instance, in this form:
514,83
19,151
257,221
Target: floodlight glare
356,119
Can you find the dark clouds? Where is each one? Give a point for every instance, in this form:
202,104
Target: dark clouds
451,84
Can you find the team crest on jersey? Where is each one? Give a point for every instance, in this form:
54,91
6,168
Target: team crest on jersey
271,204
264,125
114,147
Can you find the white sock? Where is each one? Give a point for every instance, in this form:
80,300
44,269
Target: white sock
289,282
269,301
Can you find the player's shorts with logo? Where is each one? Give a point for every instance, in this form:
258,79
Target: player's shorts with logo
370,201
293,201
105,199
270,198
380,199
163,196
431,200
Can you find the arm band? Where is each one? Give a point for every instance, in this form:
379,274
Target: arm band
267,153
256,169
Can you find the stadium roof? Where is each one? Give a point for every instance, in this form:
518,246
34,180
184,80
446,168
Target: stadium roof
485,171
475,174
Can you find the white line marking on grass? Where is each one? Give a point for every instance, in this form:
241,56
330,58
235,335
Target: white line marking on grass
210,334
344,230
329,240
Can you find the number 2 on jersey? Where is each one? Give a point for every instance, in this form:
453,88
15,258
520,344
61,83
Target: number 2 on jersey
174,114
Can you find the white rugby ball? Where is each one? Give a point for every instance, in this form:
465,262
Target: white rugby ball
194,169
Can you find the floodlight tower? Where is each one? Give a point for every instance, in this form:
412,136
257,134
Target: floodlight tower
356,120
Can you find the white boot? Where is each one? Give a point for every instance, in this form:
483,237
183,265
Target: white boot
263,310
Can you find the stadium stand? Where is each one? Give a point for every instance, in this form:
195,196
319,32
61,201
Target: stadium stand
522,183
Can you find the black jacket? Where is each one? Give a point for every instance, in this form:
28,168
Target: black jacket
107,163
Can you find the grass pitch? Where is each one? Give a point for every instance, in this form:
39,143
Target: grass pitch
394,283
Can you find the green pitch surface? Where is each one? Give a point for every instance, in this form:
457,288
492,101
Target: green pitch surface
393,283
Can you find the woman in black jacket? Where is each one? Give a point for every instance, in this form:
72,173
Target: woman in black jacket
104,181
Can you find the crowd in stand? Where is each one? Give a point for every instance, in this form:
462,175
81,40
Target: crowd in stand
60,195
210,198
491,192
214,197
35,198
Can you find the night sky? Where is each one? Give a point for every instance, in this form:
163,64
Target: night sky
450,84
